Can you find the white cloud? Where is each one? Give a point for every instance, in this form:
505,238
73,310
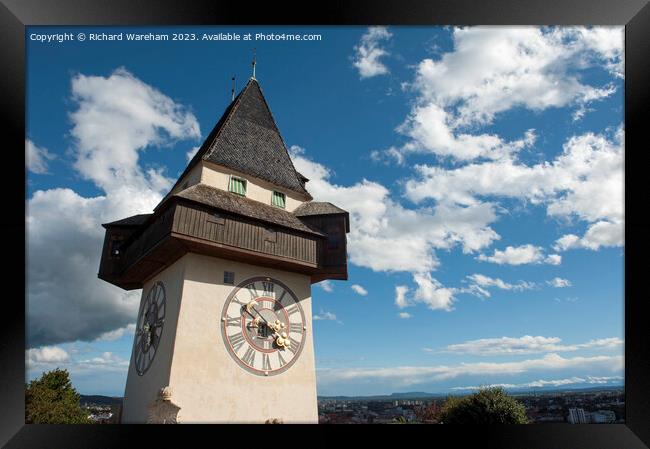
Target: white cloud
432,293
359,289
117,333
190,154
404,315
369,52
46,354
429,291
527,345
409,375
116,118
495,69
326,285
400,296
559,282
328,316
585,182
385,236
520,255
479,285
600,234
550,383
36,158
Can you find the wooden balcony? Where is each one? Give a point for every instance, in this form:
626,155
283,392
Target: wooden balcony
135,252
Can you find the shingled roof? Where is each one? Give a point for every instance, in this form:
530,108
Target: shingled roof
134,220
230,202
247,139
317,208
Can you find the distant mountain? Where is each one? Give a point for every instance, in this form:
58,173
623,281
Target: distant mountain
99,400
514,392
386,397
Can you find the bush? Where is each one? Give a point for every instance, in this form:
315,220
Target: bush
52,400
487,406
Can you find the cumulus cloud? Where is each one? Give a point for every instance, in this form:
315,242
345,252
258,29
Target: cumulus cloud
359,290
495,69
36,158
527,344
369,51
559,282
429,291
585,181
410,375
520,255
388,237
404,315
600,234
117,333
46,354
479,285
88,367
116,118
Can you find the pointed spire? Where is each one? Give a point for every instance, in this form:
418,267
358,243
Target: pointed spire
254,63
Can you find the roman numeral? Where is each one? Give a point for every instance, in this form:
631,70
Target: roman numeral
233,321
268,288
266,363
249,357
267,304
278,304
138,359
238,301
295,327
292,309
293,345
266,344
252,290
281,360
237,341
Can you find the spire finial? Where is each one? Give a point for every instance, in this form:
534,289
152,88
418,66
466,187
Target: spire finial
232,92
254,62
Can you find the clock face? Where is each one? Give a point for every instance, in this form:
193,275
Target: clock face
149,328
263,326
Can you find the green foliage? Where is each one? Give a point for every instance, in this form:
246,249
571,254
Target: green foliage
487,406
400,420
428,414
51,399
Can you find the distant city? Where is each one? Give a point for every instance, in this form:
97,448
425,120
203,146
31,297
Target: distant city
595,406
606,405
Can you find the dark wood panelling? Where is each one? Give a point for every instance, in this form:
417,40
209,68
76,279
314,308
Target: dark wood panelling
188,227
238,232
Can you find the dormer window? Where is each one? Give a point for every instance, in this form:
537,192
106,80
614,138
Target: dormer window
279,199
237,185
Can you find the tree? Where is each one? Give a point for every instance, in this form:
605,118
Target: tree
490,405
52,400
429,413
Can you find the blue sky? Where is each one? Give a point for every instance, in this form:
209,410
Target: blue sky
482,168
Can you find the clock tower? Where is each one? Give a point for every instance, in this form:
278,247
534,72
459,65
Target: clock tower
225,263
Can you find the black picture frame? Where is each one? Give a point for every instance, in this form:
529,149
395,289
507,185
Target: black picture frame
15,15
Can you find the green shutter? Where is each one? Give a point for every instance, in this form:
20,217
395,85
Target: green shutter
278,199
238,186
